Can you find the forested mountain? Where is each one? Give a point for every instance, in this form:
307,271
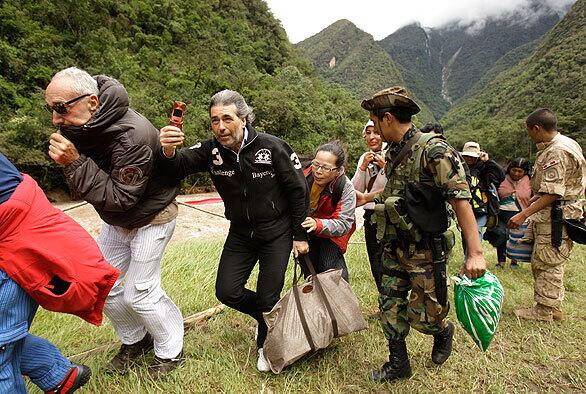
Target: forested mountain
163,51
508,61
418,56
444,64
553,76
346,55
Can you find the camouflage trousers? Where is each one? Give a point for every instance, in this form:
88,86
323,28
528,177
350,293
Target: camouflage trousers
400,309
548,264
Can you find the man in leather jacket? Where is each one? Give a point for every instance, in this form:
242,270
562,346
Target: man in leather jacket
108,152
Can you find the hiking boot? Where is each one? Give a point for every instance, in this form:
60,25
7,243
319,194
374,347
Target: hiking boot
514,264
262,364
77,376
397,367
500,265
162,366
537,312
442,344
129,353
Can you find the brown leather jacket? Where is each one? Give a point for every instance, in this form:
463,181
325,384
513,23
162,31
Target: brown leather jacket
116,172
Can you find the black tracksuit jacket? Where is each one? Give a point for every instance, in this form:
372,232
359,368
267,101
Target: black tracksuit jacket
263,187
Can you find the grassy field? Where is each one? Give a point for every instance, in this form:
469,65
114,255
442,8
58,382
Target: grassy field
221,355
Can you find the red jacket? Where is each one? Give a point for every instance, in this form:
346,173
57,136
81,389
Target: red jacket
334,215
51,256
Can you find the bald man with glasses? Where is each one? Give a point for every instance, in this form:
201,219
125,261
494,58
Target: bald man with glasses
108,152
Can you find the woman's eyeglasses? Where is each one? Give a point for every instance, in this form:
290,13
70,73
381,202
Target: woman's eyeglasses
317,167
63,108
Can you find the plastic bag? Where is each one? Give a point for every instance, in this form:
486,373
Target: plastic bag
479,303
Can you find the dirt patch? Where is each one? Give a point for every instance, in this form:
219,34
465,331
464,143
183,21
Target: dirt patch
204,221
194,221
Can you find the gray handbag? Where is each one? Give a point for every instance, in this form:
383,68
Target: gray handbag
310,315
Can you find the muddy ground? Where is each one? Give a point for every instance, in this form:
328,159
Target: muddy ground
192,223
196,221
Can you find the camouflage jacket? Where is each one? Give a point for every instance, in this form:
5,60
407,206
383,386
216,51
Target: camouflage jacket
441,165
560,169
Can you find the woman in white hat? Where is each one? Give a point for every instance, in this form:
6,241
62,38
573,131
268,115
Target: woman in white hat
370,176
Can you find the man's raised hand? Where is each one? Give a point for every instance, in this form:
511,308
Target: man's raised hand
171,137
61,150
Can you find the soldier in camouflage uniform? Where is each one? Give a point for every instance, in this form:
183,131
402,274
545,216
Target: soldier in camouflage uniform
408,265
559,175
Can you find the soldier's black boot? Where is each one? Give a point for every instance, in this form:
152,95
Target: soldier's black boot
398,366
442,344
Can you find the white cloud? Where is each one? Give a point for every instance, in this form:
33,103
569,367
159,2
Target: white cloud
304,18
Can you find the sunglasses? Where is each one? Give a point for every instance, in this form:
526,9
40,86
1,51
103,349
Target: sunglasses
63,108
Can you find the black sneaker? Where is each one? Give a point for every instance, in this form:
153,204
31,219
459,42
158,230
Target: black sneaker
129,353
77,376
162,366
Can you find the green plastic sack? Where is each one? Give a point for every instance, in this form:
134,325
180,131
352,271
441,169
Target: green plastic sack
479,303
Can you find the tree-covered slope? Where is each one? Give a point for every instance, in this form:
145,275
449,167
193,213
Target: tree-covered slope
163,51
444,64
553,76
508,61
418,57
479,51
344,54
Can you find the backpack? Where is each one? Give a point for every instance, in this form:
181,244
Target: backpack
492,207
485,200
337,189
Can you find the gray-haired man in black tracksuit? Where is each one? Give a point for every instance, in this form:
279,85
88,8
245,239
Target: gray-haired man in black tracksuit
260,179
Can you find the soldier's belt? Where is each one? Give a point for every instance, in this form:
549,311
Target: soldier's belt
394,293
395,273
567,202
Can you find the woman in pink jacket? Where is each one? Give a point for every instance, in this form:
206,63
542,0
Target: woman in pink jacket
370,177
514,194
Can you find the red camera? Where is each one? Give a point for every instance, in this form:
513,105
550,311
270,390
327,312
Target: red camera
177,114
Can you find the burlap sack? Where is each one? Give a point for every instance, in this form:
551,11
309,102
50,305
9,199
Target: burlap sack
287,340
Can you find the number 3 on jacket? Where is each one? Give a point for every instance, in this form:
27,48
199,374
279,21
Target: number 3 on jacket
295,160
218,160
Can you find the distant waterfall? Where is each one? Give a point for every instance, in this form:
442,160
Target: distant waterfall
447,69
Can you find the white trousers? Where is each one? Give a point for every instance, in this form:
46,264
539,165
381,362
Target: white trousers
141,305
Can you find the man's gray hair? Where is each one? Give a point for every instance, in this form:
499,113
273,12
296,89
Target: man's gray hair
81,81
227,97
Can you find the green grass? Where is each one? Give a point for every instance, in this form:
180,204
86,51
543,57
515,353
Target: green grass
221,355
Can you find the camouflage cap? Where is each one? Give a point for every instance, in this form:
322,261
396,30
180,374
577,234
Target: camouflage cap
391,97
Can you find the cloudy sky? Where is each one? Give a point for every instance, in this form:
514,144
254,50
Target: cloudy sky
304,18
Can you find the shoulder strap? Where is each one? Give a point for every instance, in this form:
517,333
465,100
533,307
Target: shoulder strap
371,183
338,189
403,152
418,150
321,292
297,298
